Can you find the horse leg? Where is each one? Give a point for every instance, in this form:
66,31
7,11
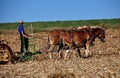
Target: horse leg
59,54
74,53
87,51
66,53
78,50
60,50
50,55
50,50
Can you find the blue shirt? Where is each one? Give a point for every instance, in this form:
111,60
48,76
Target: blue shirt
20,29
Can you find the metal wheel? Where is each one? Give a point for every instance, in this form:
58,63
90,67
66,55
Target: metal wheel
6,54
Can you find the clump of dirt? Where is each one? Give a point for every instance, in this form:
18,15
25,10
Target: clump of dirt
62,75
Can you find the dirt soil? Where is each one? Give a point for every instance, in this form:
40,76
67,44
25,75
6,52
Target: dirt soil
104,62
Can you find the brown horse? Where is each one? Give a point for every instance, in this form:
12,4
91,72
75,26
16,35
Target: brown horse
54,40
79,38
85,36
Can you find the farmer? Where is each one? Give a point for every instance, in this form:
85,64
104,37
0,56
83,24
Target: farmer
23,37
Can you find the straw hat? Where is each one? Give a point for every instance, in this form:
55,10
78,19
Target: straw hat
21,21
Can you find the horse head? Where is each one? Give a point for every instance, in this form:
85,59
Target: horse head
99,32
102,35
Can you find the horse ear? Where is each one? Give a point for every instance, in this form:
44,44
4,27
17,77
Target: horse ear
103,26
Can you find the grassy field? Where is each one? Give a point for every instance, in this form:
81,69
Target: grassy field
62,24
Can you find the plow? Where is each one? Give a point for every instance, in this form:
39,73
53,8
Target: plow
8,56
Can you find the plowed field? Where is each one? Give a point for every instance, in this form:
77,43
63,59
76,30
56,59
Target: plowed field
104,63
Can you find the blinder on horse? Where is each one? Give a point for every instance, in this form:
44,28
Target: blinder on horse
102,36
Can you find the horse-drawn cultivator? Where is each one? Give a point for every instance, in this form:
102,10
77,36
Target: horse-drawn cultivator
8,56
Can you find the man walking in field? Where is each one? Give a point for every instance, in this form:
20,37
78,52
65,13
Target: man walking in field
23,38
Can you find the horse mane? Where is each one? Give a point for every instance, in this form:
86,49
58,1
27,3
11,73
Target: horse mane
83,27
98,27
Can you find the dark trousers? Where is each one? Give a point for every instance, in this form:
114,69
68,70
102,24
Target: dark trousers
24,43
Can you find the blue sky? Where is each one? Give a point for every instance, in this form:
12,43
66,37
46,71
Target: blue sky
57,10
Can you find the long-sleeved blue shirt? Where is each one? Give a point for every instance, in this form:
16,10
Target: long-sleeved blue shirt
20,29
